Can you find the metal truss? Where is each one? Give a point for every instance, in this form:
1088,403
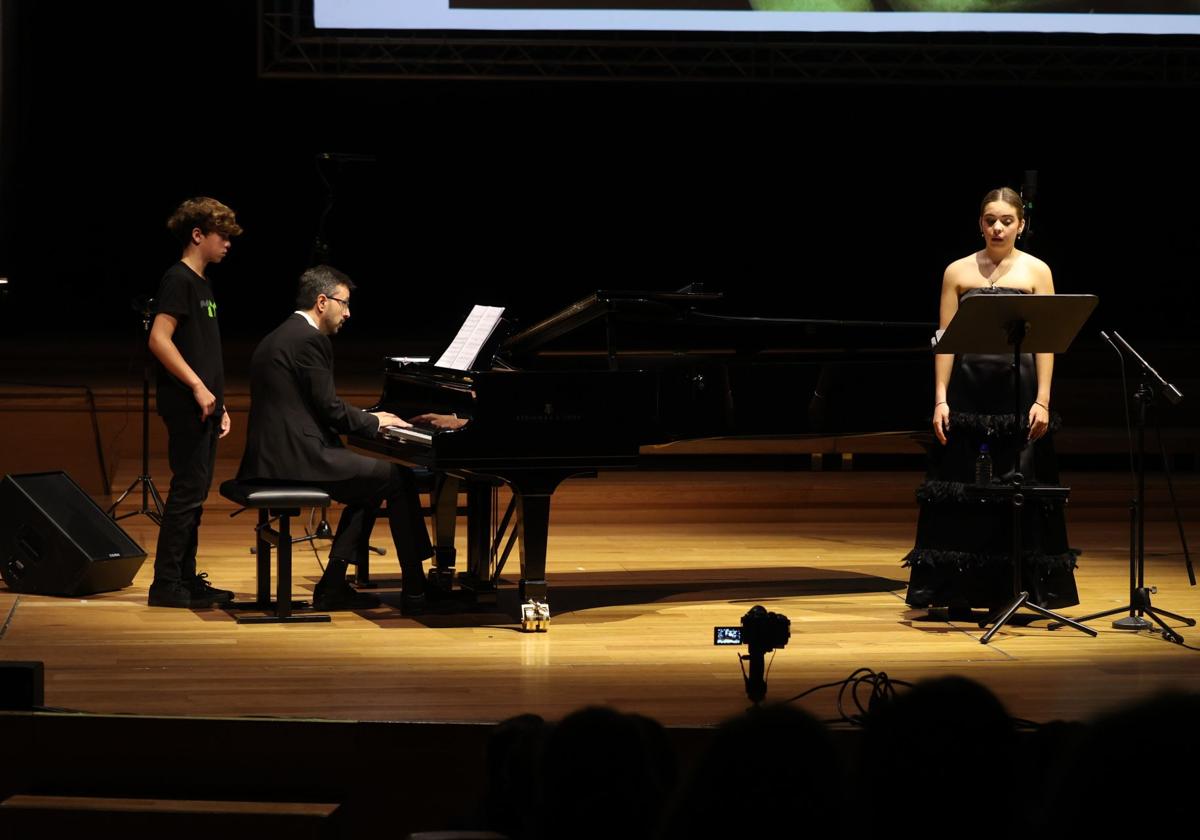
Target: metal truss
290,47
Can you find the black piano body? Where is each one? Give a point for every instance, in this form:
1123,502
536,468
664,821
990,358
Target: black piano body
614,377
528,429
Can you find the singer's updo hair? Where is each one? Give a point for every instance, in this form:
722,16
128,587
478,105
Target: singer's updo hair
1009,196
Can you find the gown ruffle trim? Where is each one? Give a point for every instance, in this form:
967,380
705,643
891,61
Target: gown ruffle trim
934,492
946,560
995,425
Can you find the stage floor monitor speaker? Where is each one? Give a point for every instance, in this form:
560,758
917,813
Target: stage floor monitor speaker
54,540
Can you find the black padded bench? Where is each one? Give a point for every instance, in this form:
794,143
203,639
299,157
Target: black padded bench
274,502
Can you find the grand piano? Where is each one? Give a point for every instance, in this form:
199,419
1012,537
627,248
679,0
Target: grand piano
615,380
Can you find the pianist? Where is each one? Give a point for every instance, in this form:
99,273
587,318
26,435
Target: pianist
296,418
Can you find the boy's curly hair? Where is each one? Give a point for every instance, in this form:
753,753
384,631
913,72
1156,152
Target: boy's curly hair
208,214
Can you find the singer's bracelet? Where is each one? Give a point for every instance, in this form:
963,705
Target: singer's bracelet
1035,402
943,402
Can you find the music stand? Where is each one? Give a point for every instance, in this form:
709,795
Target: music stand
1017,324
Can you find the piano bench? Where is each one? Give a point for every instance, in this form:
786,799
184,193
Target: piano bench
281,503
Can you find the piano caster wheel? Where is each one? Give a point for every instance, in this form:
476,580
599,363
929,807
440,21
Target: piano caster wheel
535,617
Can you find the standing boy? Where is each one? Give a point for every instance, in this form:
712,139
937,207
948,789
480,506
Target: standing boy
190,395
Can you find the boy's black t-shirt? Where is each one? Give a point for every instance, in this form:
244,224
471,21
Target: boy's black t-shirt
188,297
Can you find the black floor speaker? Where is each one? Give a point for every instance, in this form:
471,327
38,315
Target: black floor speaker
54,540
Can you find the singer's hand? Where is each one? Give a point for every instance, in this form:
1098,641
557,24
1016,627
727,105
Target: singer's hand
941,421
1039,421
225,424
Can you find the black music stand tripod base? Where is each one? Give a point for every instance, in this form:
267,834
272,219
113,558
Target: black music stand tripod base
1022,601
1017,492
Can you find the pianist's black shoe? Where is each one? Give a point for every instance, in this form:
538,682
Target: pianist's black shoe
204,594
335,594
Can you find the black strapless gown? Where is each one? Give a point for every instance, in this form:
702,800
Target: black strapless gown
963,545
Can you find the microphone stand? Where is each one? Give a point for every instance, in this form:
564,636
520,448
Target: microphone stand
1139,604
145,306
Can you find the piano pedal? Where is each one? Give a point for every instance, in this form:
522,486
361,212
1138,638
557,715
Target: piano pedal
535,617
441,578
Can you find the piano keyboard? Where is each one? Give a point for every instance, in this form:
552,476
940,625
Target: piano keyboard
407,435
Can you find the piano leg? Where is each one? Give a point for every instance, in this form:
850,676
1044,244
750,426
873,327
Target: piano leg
445,522
477,579
533,525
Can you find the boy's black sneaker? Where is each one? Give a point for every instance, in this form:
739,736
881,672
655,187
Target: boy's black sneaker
204,593
172,595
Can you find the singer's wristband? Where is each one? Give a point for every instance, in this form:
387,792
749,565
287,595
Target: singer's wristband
1035,402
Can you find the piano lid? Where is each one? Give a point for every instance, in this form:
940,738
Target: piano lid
640,325
649,304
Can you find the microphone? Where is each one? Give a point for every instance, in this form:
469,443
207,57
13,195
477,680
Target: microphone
143,304
1173,394
346,157
1029,187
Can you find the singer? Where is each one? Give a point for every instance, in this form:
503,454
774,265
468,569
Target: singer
961,556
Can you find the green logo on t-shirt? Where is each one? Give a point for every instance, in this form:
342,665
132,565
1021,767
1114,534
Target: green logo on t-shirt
211,306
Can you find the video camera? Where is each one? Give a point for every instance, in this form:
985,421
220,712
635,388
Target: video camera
760,630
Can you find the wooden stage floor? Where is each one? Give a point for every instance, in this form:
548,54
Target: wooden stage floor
642,566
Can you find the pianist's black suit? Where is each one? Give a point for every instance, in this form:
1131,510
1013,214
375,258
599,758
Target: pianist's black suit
296,418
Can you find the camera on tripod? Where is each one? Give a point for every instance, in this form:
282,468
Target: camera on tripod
760,630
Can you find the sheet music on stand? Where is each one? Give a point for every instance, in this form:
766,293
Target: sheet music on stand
472,335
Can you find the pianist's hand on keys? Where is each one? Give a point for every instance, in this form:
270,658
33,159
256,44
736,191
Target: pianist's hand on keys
439,422
386,418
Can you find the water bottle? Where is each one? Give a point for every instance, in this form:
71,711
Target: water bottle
983,466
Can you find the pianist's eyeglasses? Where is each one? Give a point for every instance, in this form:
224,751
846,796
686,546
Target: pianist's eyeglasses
344,303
